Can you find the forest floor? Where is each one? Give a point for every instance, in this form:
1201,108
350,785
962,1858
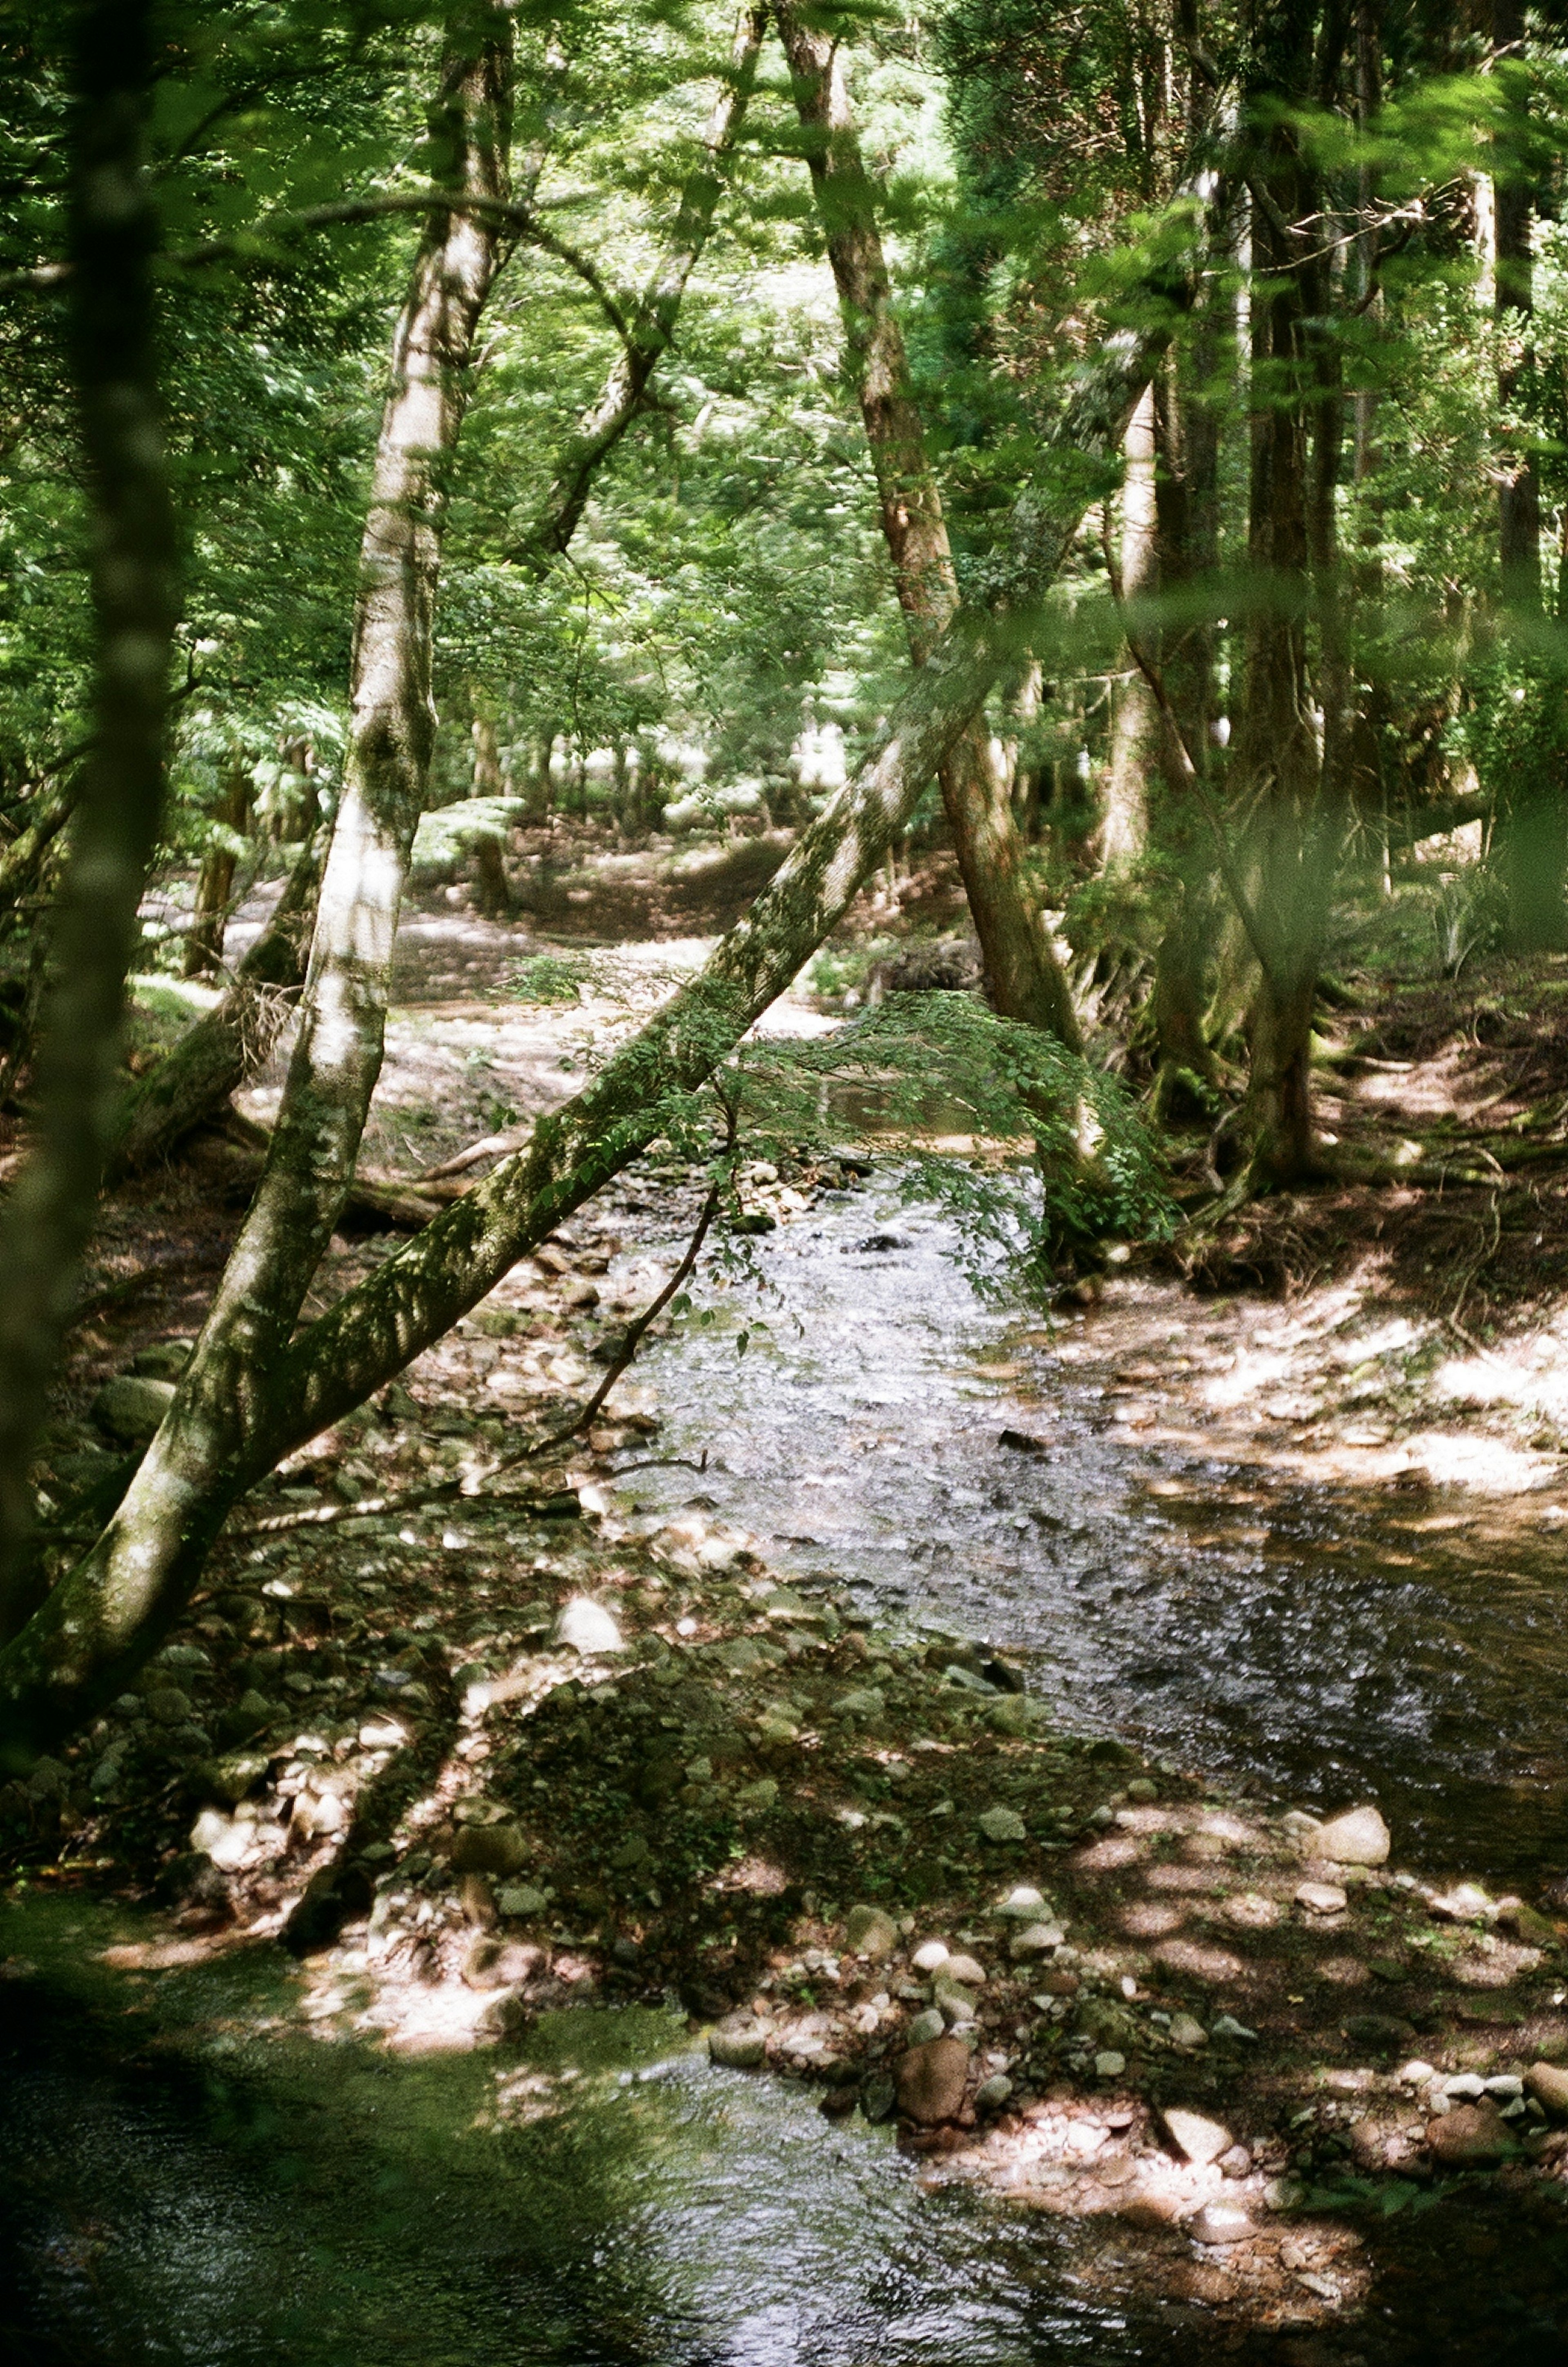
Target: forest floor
474,1743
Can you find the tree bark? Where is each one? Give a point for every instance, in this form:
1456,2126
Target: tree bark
652,326
1136,735
120,789
230,1043
1023,979
215,883
239,1411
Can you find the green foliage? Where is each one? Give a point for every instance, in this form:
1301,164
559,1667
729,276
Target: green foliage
925,1066
547,977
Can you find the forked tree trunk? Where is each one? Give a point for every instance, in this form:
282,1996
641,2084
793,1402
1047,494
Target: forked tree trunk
1023,979
652,326
119,791
240,1407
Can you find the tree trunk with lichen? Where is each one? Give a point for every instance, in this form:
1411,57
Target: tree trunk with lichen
1023,979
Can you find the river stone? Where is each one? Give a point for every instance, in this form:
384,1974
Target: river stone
132,1407
489,1849
1023,1904
879,2098
931,2080
230,1777
1470,2134
521,1898
992,2093
867,1701
164,1361
1219,2223
1185,2032
1109,2063
254,1707
587,1627
743,2048
930,1956
870,1931
1200,2139
1002,1825
756,1799
1466,1902
1037,1940
169,1706
1321,1898
1535,1930
928,2026
219,1838
1359,1837
1548,2083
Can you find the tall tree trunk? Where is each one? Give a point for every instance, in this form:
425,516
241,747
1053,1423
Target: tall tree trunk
215,882
1136,731
238,1411
1276,761
652,326
1023,978
1533,832
119,791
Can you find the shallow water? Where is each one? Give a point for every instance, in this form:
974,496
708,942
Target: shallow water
177,2189
1332,1644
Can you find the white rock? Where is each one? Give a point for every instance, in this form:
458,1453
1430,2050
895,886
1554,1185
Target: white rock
1037,1940
1185,2032
1321,1897
930,1956
1219,2223
993,2091
965,1969
1200,2139
587,1627
1109,2063
1000,1824
1416,2074
1023,1904
1358,1837
1467,2086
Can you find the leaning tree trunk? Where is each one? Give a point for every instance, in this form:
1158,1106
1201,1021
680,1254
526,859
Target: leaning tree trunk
1023,979
237,1412
120,789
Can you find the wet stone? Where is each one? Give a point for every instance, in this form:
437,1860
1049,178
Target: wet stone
740,2046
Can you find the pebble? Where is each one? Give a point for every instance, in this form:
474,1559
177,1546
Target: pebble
1202,2140
521,1898
1416,2074
1220,2223
992,2093
1225,2025
755,1799
1358,1837
965,1969
1321,1898
1465,1903
870,1931
928,2026
878,2098
1185,2032
1110,2064
1022,1903
1465,2086
586,1627
931,2079
930,1956
867,1701
1000,1824
1036,1939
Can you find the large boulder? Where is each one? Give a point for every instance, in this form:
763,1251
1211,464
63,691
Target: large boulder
1358,1837
132,1407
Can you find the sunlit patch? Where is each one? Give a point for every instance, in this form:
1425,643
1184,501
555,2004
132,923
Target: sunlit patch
1201,1964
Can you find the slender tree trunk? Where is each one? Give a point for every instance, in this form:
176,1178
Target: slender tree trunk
1533,834
108,1612
652,328
1023,979
119,791
1136,731
215,882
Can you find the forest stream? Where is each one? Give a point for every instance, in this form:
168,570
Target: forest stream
191,2179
